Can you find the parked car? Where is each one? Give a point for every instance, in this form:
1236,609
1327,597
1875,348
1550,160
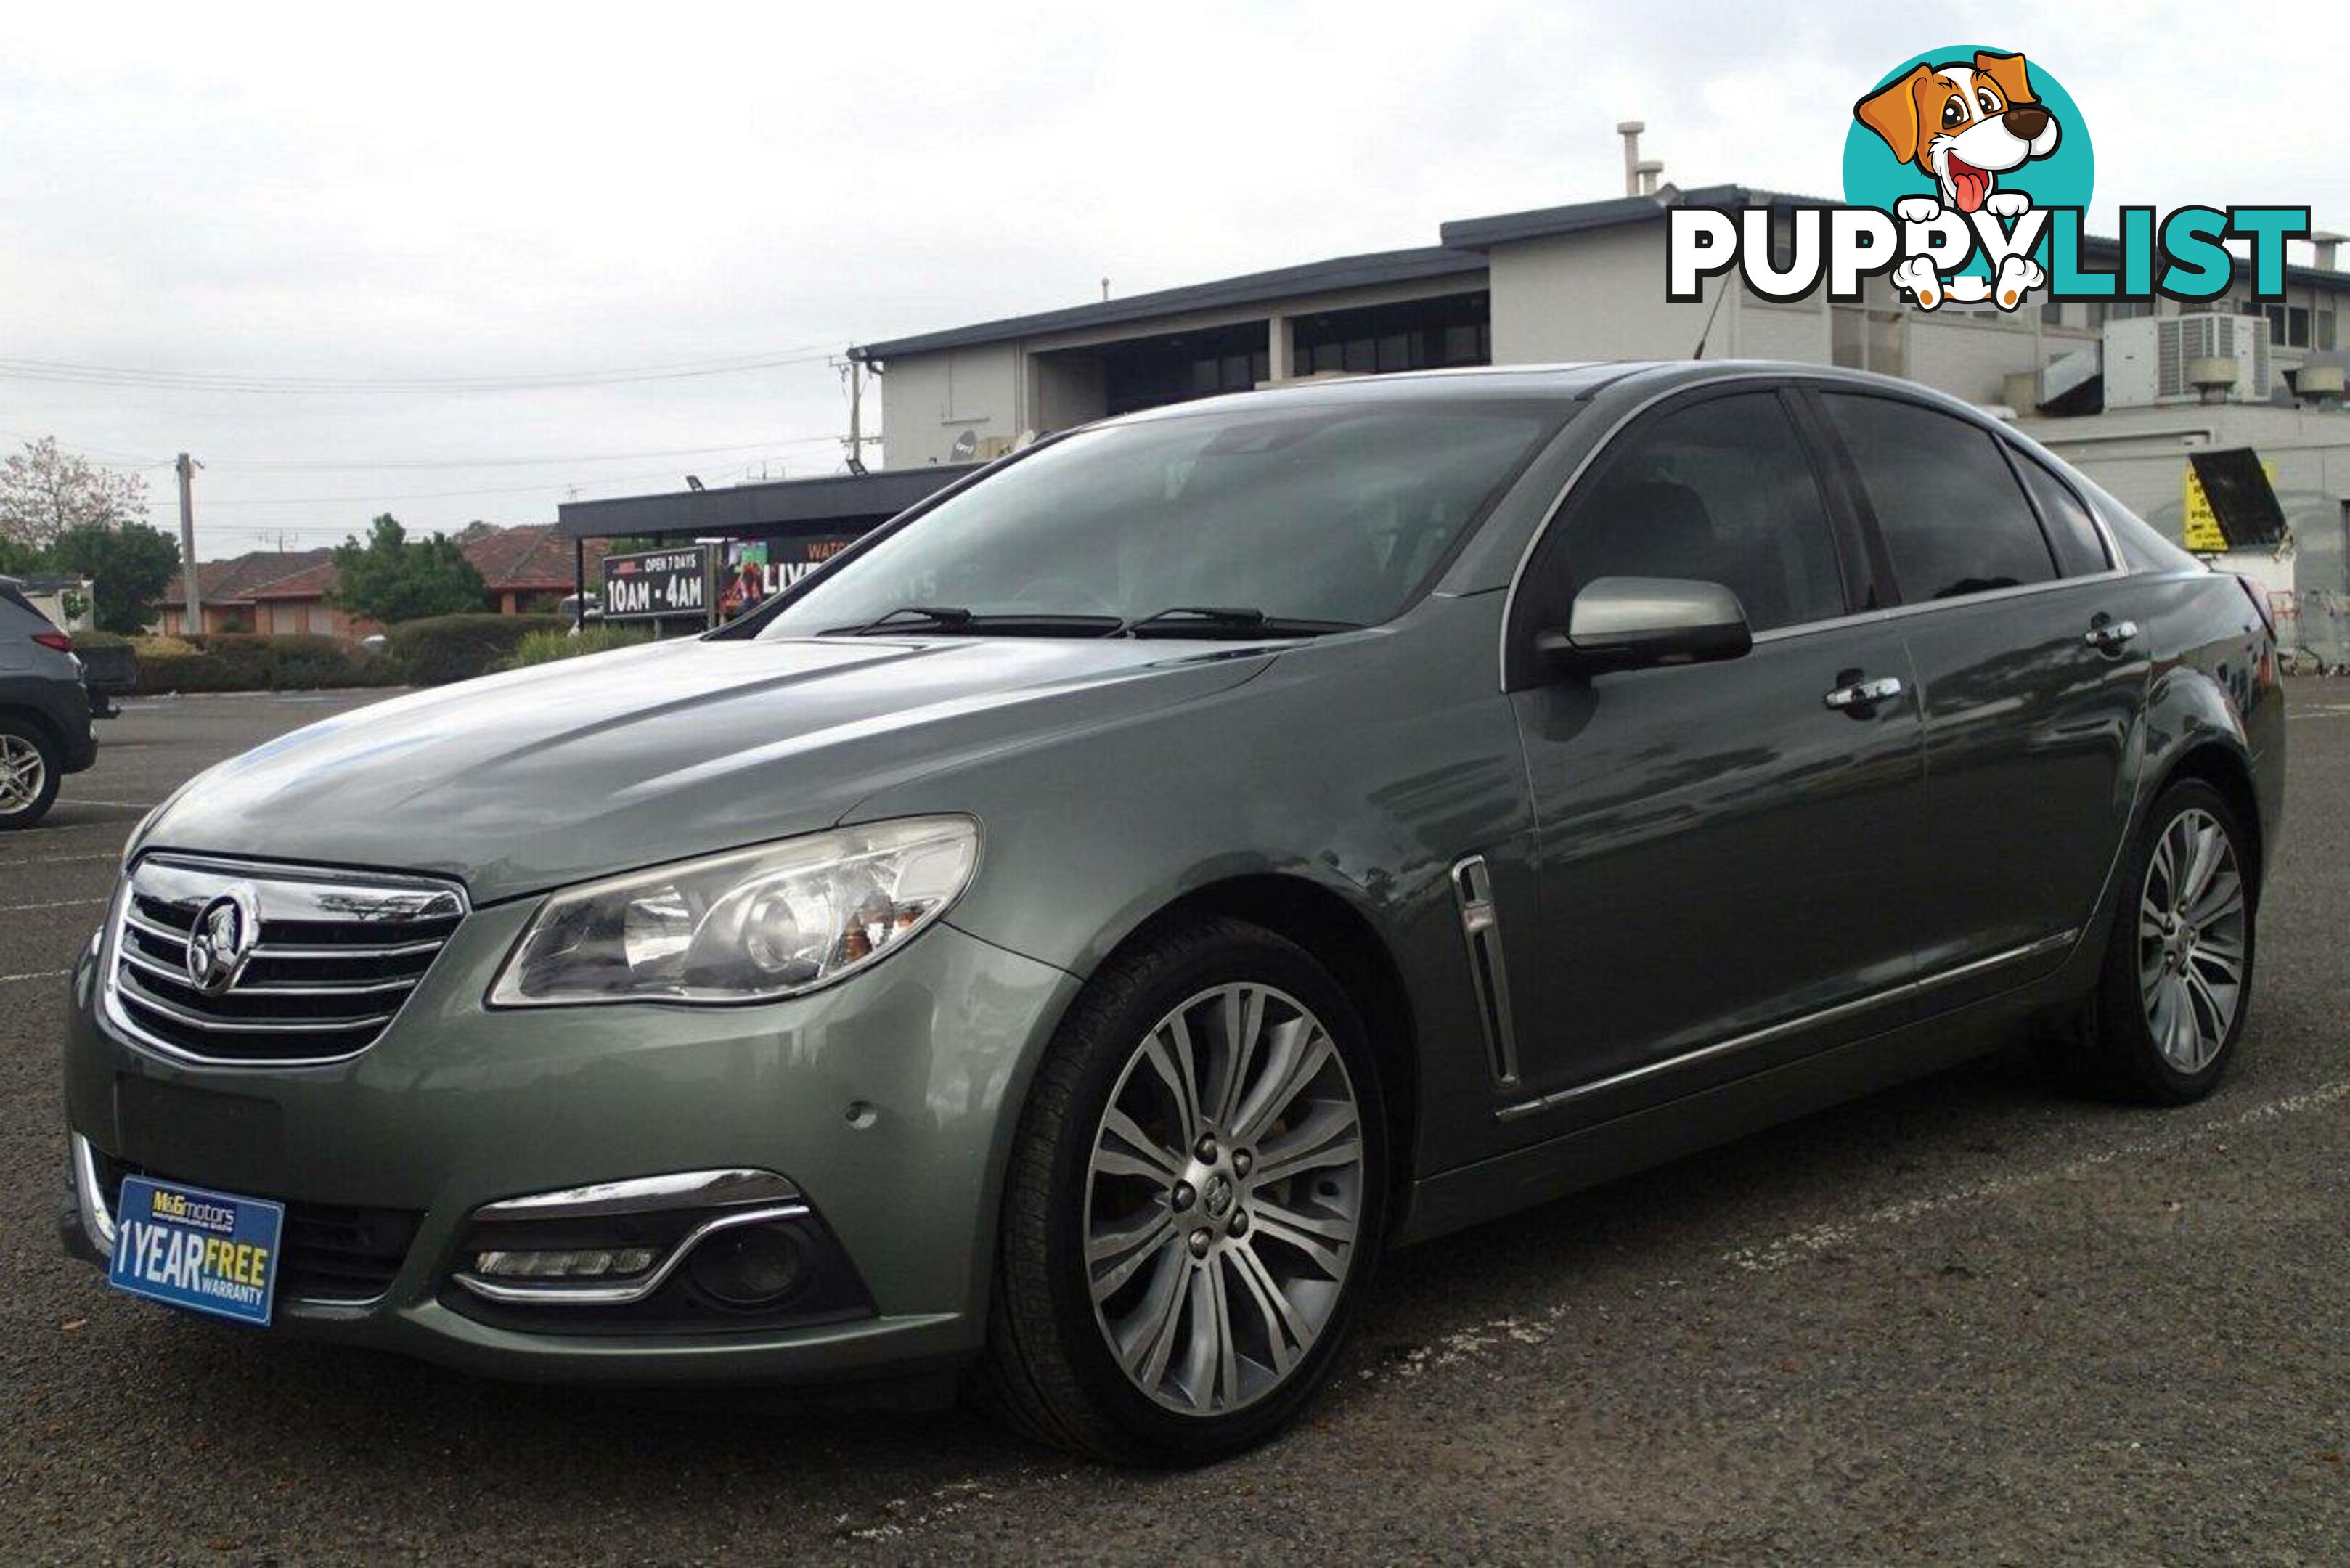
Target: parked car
1070,936
45,730
109,670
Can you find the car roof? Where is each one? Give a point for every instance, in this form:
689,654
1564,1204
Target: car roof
1574,382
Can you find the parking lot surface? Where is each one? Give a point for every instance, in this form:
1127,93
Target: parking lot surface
1968,1319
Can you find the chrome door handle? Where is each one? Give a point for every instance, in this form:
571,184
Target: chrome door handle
1865,693
2110,636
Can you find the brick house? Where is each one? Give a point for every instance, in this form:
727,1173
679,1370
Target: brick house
228,586
526,570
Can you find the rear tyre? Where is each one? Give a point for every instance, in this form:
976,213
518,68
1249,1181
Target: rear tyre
29,772
1194,1205
2176,983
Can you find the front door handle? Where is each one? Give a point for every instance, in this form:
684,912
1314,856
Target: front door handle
1861,697
2107,634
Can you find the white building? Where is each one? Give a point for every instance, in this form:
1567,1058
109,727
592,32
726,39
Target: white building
1587,282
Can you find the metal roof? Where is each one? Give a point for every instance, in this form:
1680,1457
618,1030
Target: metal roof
1249,288
1462,254
842,499
1579,217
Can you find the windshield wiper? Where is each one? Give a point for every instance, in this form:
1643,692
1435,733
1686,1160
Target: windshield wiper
1219,620
961,622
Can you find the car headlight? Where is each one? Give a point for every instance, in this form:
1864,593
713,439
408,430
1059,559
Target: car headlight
748,926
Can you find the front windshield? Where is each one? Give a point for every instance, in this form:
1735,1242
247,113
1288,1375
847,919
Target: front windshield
1332,515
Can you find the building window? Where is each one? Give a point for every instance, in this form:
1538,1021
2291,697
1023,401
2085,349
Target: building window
2322,336
2288,324
2052,312
1149,371
1419,335
2104,310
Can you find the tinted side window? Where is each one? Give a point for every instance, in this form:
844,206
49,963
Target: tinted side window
1954,519
2079,551
1720,491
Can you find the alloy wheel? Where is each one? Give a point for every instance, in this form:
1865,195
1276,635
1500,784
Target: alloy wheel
2192,940
23,774
1223,1198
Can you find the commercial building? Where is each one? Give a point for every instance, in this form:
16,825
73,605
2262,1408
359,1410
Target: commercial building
1587,281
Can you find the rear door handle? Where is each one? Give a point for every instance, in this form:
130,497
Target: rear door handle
2108,635
1861,696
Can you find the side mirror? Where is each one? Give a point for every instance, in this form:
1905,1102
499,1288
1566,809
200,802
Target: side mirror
1631,623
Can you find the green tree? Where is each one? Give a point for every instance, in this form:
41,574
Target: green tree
131,565
392,578
45,491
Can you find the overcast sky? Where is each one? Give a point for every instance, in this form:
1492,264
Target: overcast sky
489,193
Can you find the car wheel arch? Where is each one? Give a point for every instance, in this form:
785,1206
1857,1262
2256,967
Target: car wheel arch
2192,731
40,722
1346,940
2222,767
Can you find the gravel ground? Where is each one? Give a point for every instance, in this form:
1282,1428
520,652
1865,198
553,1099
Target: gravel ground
1967,1319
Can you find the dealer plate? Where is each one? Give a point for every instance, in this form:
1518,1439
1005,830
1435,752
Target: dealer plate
209,1251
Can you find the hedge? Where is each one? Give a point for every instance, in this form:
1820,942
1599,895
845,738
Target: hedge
444,647
245,661
547,647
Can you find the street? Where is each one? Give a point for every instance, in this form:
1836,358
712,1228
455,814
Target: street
1968,1318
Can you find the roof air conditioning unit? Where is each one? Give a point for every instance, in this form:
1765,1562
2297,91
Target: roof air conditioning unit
2156,359
2319,384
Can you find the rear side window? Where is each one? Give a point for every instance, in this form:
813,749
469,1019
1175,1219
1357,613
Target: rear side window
1720,491
1955,521
2071,533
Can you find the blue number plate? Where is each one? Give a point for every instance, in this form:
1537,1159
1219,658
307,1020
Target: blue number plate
211,1252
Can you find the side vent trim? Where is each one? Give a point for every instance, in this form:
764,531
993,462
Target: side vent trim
1480,924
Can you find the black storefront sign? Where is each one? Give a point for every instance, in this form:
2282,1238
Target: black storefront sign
657,584
755,569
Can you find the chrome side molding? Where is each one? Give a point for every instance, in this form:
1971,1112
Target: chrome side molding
1480,925
1736,1043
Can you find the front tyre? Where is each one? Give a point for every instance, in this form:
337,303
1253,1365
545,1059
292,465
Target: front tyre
1195,1202
2177,984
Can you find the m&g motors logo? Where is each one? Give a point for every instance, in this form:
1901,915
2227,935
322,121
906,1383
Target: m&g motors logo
1966,172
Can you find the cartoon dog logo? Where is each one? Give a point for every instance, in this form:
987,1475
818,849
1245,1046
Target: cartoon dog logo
1964,125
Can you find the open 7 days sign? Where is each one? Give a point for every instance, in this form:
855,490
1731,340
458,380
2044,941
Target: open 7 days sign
658,584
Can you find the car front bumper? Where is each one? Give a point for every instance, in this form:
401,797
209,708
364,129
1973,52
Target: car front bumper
886,1100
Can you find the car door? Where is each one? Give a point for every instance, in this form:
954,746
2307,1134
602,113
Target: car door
2031,673
1707,833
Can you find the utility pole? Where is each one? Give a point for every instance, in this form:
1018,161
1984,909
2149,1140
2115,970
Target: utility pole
852,370
192,595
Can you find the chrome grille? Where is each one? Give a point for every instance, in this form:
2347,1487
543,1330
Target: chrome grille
333,957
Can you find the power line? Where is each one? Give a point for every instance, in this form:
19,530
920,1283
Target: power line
126,462
372,496
124,376
275,465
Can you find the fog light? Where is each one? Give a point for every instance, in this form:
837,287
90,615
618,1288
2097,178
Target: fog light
750,1266
573,1265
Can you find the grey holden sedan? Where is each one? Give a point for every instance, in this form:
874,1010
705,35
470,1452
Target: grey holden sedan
1065,942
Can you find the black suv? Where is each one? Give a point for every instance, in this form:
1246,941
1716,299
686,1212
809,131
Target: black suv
45,730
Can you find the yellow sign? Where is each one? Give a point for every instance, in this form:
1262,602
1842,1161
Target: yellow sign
2201,532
